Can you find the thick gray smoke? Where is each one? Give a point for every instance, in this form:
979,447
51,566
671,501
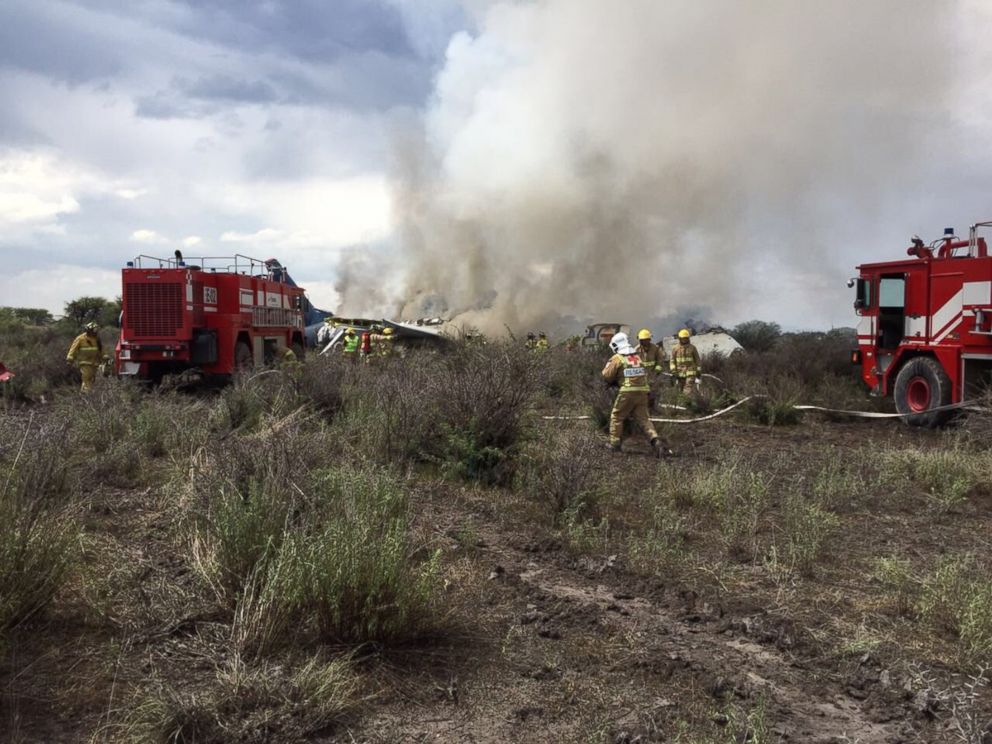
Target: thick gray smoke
624,159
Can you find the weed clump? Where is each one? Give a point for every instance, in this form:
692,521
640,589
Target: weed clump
328,550
947,475
39,534
247,702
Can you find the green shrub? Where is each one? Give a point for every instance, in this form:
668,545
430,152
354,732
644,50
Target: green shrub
897,577
946,475
36,356
465,409
956,598
806,526
354,574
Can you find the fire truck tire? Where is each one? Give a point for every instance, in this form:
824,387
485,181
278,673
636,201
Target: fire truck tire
922,385
244,361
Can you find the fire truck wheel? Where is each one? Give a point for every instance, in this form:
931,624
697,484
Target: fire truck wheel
922,385
244,362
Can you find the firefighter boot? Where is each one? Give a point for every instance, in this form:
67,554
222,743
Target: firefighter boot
616,446
660,450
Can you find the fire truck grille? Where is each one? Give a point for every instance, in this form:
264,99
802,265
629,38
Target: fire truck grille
154,309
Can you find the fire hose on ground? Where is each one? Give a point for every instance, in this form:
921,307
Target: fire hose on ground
968,405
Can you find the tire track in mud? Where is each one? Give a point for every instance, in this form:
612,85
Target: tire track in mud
798,709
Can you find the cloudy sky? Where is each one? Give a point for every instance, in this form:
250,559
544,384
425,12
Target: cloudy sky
217,126
343,136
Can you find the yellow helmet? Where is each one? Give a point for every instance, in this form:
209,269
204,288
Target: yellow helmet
643,334
350,330
388,332
684,333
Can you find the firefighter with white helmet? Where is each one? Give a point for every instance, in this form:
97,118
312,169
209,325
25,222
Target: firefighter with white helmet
627,370
684,364
652,357
86,353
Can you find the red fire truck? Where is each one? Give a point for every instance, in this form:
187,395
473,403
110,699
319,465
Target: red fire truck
925,329
217,316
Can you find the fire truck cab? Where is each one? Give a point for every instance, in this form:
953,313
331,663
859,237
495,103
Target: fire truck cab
217,316
925,325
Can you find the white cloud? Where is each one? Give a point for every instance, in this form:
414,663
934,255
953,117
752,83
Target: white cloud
315,213
147,236
52,286
130,194
21,207
36,188
266,234
191,241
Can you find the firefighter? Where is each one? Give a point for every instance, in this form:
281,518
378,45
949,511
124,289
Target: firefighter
531,343
349,347
366,346
626,370
288,360
542,342
684,364
382,343
86,353
652,358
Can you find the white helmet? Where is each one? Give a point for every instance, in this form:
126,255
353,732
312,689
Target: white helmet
621,344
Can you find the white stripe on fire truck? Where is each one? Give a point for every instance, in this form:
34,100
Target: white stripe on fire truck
943,321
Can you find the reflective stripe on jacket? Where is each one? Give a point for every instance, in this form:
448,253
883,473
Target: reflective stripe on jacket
629,372
85,349
635,375
685,361
652,356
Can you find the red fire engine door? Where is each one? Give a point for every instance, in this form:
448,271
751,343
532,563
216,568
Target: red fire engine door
946,302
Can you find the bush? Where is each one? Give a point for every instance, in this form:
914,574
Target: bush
246,494
36,356
465,409
248,703
757,335
562,472
280,545
39,535
354,572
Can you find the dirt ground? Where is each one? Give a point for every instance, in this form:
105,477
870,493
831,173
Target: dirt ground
559,642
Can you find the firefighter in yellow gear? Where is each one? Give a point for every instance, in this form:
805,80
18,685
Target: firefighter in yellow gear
652,358
685,365
86,353
531,343
350,344
542,342
288,360
382,343
626,370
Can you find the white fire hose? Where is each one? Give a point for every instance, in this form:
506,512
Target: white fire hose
970,405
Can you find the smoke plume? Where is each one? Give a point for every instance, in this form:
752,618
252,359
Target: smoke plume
620,160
